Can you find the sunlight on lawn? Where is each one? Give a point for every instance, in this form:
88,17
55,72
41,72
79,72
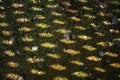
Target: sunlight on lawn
67,41
100,69
6,33
35,60
37,72
84,37
110,54
53,55
13,64
60,78
9,53
77,62
25,29
115,65
57,14
82,28
62,31
20,12
84,1
94,58
41,17
2,15
17,5
71,51
89,47
59,22
59,40
72,11
27,39
80,74
48,45
3,24
42,25
46,35
57,67
75,19
12,76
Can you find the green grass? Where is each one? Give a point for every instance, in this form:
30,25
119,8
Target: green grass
28,23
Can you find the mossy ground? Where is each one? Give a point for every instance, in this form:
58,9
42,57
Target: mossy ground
43,23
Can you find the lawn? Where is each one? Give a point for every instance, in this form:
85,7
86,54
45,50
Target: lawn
59,40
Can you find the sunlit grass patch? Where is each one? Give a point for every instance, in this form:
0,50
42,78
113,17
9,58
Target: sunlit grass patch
57,14
37,72
83,1
42,25
6,33
72,10
17,5
100,34
71,51
99,69
12,64
77,62
57,67
9,42
27,48
89,16
60,78
25,29
87,8
48,45
12,76
106,22
52,6
27,39
6,42
66,3
53,55
59,40
9,53
22,20
35,1
75,18
94,58
115,65
84,37
101,13
119,19
58,22
35,60
80,74
36,8
67,41
50,0
3,24
46,35
80,28
111,54
114,31
2,15
115,2
18,12
89,47
117,39
62,31
93,25
101,43
40,17
2,7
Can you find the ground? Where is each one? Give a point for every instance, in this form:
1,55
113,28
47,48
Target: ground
59,40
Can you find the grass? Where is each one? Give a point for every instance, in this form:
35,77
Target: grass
44,24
